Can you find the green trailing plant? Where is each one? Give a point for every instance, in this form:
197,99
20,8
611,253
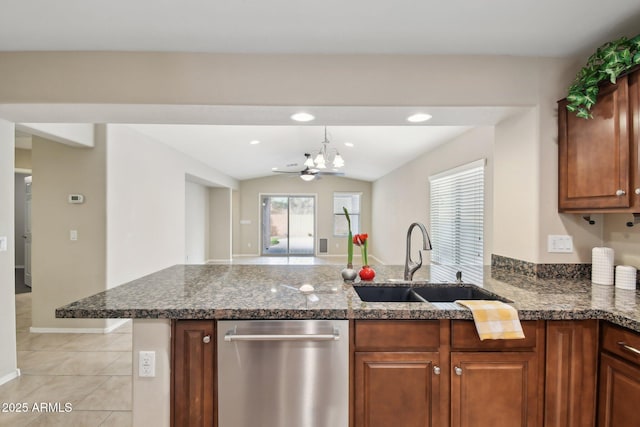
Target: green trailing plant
350,241
607,63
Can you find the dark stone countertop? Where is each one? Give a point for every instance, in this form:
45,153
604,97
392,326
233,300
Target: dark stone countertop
270,292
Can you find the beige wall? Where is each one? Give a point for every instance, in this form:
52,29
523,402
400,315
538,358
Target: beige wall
220,219
624,240
22,159
247,236
64,270
7,291
402,196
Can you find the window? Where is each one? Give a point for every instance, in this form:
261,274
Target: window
457,215
351,201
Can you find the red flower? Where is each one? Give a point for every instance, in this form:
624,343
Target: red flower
360,239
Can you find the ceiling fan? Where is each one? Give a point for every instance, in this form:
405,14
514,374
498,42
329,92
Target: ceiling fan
308,173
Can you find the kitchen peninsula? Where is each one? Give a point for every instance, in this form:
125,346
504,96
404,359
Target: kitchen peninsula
562,319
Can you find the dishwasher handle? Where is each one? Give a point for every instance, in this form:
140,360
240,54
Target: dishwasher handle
231,336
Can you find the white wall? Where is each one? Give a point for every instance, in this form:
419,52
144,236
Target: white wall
196,223
402,196
146,203
8,363
624,240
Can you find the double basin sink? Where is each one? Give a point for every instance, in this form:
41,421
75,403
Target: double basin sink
423,292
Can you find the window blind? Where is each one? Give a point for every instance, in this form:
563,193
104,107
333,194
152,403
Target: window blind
457,215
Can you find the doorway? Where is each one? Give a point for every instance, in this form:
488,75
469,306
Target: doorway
288,225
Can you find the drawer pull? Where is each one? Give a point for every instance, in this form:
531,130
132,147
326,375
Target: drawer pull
629,348
436,370
206,339
458,370
620,193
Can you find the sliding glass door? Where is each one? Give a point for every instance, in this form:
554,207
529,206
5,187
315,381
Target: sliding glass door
288,225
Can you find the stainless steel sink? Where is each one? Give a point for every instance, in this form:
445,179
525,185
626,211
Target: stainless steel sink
446,292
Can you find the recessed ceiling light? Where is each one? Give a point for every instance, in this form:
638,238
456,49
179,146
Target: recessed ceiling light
254,142
418,118
302,117
274,169
349,144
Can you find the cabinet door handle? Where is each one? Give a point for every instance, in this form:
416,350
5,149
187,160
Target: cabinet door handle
458,370
637,191
436,370
620,193
206,339
629,348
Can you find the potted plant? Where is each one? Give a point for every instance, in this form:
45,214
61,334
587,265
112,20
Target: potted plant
349,274
366,272
607,63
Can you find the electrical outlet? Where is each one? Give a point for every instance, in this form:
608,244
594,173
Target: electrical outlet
3,243
73,235
147,364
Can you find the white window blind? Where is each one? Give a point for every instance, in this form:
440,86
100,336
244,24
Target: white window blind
351,201
457,215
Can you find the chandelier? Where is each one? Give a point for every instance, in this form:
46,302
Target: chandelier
325,156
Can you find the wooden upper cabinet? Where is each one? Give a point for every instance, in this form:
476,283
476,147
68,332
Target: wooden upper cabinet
595,155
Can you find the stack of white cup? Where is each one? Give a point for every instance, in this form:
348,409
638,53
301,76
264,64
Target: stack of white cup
602,266
626,277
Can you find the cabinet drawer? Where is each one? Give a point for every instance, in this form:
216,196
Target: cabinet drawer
621,342
397,335
464,336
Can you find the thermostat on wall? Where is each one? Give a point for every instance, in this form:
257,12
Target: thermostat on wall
76,198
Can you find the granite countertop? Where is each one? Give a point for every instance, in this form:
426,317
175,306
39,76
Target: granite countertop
270,292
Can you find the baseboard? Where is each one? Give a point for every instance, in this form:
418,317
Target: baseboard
10,376
218,261
107,330
244,255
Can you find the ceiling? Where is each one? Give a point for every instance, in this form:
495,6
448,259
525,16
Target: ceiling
376,151
468,27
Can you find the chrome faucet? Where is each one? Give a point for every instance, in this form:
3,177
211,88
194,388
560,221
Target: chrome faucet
410,266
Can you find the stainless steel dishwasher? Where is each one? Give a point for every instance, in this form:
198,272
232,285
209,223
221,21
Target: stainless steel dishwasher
283,373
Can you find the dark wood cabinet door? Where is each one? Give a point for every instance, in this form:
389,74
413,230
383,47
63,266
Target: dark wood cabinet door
619,397
571,373
396,389
595,154
494,389
193,373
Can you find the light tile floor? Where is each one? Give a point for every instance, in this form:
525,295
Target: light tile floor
92,372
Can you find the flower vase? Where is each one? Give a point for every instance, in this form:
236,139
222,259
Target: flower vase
349,274
367,273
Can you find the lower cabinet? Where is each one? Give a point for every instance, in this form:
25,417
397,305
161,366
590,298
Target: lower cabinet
619,394
395,389
494,389
193,376
571,373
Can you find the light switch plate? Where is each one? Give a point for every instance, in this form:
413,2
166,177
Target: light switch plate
3,243
559,243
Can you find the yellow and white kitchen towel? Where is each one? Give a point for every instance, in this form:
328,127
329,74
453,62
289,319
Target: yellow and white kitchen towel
494,320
